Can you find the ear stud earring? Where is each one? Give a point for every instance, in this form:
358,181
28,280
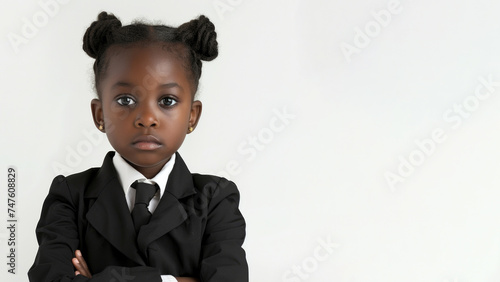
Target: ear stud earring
101,126
190,129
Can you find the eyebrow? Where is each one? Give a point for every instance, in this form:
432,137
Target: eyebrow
170,85
121,84
126,84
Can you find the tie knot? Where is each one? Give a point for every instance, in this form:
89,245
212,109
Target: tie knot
145,191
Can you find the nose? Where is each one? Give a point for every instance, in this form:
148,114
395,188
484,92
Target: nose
147,116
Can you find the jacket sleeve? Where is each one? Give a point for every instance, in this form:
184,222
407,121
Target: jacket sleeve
57,235
223,258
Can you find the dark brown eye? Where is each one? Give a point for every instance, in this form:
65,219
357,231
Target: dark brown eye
168,101
125,101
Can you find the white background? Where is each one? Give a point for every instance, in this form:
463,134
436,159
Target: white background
322,176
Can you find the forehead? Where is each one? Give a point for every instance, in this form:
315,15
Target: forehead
138,62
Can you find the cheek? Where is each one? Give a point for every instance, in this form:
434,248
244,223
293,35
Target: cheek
116,120
175,124
116,134
117,112
179,117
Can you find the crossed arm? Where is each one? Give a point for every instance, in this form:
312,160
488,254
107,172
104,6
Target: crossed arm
82,268
222,258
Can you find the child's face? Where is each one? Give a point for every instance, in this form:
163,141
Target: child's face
146,105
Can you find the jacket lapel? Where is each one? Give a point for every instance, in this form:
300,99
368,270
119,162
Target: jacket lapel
170,213
109,214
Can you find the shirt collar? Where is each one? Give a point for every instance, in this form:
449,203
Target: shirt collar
127,174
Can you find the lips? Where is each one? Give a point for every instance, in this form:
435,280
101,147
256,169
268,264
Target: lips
146,142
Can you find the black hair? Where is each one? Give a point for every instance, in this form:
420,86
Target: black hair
198,37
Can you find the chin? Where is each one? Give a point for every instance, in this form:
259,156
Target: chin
150,159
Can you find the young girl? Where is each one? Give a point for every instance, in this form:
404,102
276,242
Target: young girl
142,216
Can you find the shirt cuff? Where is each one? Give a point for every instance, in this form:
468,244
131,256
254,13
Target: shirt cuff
168,278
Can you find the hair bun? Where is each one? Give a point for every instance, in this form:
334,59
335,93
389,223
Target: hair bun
99,34
200,35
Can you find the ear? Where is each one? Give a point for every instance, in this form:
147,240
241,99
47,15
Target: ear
194,115
97,114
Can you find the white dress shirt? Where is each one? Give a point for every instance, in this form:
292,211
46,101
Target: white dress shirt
128,175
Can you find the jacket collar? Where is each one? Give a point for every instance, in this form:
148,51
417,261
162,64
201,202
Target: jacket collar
107,173
110,216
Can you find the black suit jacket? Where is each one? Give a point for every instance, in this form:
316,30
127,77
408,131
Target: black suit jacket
197,229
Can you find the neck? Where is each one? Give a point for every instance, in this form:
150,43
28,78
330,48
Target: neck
151,171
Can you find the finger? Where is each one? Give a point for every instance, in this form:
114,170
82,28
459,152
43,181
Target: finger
81,265
80,269
78,266
187,279
80,258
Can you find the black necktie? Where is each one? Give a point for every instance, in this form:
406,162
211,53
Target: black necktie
144,193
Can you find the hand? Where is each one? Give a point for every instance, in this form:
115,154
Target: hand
81,265
186,279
